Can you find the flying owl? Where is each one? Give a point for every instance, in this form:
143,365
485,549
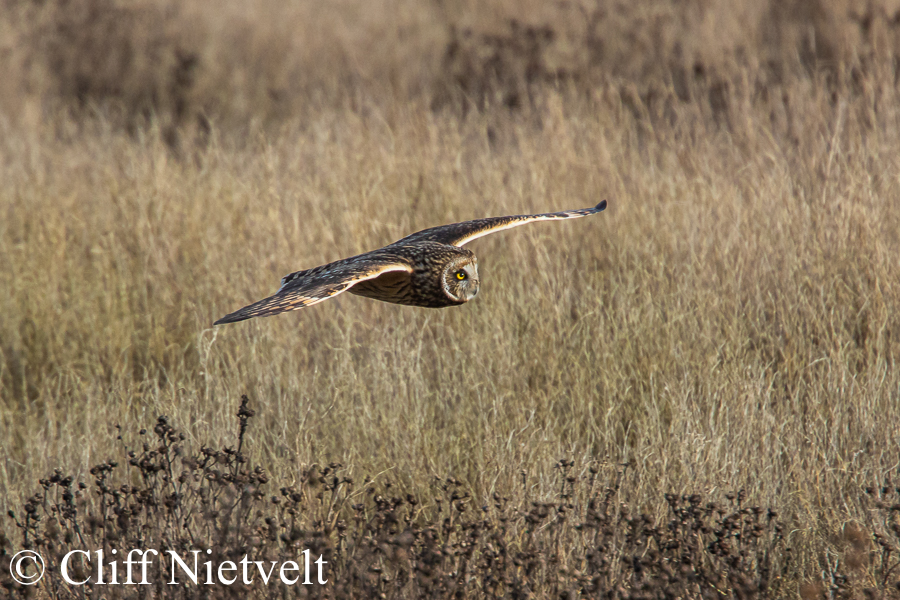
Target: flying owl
429,268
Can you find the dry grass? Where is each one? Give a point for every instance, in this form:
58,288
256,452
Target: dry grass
730,322
379,542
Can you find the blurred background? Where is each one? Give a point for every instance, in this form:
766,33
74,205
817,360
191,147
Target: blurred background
730,322
189,66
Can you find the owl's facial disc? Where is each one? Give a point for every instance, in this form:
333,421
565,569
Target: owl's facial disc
461,281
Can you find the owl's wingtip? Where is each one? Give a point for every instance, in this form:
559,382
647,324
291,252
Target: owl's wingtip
232,318
601,206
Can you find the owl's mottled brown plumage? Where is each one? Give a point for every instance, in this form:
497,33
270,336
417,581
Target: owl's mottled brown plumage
428,268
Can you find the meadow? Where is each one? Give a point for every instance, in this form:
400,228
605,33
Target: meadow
724,335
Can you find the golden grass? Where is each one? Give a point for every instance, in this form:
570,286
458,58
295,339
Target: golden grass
729,322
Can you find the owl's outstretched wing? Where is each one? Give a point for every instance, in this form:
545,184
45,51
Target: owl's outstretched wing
457,234
305,288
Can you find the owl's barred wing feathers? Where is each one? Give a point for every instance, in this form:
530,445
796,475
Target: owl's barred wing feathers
458,234
305,288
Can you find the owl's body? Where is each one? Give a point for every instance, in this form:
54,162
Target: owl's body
423,285
428,268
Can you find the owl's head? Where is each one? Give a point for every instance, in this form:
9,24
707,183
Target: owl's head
460,278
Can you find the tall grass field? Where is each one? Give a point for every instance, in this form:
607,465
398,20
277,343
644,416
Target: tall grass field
694,394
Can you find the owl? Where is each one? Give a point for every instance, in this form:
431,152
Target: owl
429,268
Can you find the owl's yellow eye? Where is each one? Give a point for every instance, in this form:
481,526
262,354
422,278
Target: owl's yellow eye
460,275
